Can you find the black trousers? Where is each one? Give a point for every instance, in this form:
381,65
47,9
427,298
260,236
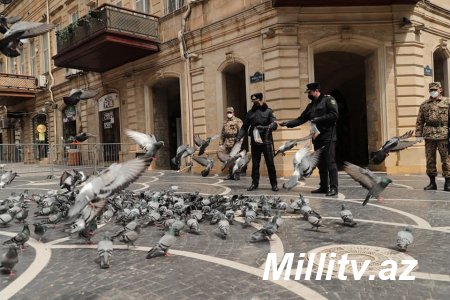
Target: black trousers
257,150
327,164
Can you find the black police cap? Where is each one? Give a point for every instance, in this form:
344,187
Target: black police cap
257,96
312,86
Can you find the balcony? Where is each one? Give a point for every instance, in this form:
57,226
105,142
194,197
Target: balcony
106,38
15,89
317,3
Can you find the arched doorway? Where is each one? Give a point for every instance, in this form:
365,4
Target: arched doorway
440,64
343,75
40,136
167,119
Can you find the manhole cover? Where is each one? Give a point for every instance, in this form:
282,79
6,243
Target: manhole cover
358,253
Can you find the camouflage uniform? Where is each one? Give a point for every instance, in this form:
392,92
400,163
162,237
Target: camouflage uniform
432,125
229,132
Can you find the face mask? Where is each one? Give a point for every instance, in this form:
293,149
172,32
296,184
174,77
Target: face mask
229,116
434,94
311,97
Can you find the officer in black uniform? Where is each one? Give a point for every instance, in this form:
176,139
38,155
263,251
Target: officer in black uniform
259,123
323,111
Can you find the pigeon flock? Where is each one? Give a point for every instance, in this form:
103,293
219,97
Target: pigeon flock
82,203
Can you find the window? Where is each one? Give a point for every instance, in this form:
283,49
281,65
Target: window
12,65
173,5
441,69
45,53
32,58
69,122
22,64
143,6
1,66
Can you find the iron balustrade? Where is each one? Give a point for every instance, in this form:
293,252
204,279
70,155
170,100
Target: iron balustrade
20,82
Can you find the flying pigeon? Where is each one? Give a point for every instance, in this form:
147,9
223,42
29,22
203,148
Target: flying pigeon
206,162
21,30
183,151
346,216
229,159
4,21
10,259
290,144
163,246
304,164
111,180
75,95
405,238
242,159
394,144
70,178
204,143
6,178
373,183
105,250
146,141
80,137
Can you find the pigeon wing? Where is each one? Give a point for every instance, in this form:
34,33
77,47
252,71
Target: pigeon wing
201,160
236,148
198,140
309,136
407,135
140,138
87,94
214,137
359,174
403,145
30,29
223,157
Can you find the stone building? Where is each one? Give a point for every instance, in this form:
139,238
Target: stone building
170,68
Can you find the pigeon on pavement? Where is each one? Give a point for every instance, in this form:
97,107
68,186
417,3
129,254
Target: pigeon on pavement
405,238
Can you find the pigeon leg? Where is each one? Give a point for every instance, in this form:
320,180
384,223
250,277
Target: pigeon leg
11,274
380,199
167,254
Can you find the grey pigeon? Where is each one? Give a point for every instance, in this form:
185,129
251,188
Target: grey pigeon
111,180
347,216
193,226
206,162
6,178
266,232
405,238
314,221
183,151
10,259
70,178
163,245
394,144
21,238
21,30
105,250
242,159
368,180
290,144
202,144
22,215
130,236
146,141
224,227
4,21
39,230
75,95
304,164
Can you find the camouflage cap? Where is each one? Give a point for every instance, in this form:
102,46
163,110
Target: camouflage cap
434,86
230,109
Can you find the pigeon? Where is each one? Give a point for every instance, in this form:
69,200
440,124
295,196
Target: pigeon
206,162
193,226
21,30
373,183
346,216
314,221
304,164
130,236
6,178
146,141
10,259
75,95
22,215
266,232
229,159
183,151
405,238
203,144
70,178
111,180
241,161
105,250
163,246
290,144
21,238
224,227
39,230
4,21
394,144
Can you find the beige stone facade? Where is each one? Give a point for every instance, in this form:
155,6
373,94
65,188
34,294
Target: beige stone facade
369,57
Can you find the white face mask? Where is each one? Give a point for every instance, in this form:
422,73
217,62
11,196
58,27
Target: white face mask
229,116
434,94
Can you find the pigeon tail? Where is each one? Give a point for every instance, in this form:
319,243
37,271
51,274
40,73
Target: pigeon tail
367,199
293,180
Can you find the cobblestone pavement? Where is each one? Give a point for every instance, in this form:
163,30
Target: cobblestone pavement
207,267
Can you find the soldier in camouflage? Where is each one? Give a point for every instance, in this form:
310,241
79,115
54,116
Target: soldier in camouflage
432,125
231,127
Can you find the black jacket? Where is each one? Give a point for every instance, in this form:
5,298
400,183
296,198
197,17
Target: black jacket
259,115
324,112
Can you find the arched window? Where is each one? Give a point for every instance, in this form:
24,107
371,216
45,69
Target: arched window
69,122
440,64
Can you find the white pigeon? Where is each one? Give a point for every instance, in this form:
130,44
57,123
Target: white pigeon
146,141
111,180
304,164
405,238
7,178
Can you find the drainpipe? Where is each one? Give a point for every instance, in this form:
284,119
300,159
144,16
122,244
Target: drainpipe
52,79
186,56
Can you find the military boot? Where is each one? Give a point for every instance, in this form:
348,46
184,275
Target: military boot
432,185
447,184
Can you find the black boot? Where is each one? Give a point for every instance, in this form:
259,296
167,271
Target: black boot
332,192
252,187
275,187
447,184
321,190
432,186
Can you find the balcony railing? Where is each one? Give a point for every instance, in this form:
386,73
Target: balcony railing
17,82
111,19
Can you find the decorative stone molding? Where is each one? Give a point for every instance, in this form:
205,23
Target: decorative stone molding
267,33
230,57
346,34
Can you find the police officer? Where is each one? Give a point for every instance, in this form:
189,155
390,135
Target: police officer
230,129
259,123
432,125
323,111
